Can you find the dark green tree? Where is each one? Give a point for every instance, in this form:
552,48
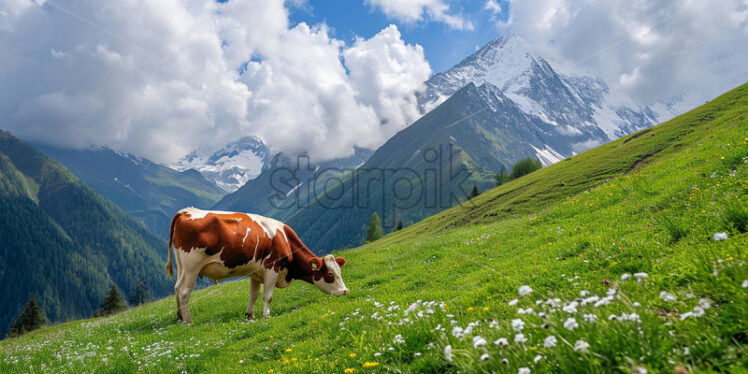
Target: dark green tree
375,228
31,318
502,176
524,167
399,226
113,303
474,192
140,294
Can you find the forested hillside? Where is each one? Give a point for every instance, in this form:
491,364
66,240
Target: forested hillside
146,190
63,243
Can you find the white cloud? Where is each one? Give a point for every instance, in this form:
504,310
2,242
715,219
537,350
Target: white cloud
386,73
158,79
492,6
412,11
644,50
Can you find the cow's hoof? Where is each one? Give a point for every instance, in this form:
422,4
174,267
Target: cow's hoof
187,322
248,317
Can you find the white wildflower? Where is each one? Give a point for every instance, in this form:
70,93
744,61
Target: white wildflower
625,276
505,361
494,324
448,353
478,341
525,290
641,276
581,346
484,357
705,303
513,302
550,342
518,325
537,358
667,296
698,311
523,371
570,324
611,292
458,332
583,293
501,341
570,307
640,370
590,318
398,339
591,299
636,303
719,236
745,284
520,338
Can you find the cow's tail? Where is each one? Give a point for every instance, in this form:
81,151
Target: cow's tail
171,240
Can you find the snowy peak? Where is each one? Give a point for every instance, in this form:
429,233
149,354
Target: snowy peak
231,166
577,106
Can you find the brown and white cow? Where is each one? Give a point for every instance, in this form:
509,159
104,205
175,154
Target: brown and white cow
222,245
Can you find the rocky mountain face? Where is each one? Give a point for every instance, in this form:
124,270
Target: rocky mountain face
290,183
573,103
231,166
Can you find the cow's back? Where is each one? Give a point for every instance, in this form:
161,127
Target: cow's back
236,236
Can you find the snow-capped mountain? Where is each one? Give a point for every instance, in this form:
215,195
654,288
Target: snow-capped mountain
572,102
231,166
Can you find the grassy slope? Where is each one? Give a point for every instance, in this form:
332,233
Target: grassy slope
599,225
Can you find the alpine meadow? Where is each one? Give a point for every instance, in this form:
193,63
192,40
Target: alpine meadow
629,257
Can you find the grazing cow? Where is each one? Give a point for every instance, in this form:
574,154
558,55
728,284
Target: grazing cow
222,245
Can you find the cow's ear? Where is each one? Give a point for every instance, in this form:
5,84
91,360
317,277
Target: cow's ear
316,263
340,261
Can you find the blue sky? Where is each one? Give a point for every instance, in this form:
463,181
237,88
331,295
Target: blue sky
443,46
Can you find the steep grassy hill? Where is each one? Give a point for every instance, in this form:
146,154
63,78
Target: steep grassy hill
537,276
146,190
63,243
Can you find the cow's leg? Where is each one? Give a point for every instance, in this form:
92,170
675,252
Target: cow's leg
254,291
267,295
183,290
180,274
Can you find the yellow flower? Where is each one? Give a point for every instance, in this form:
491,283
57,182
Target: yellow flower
485,309
470,309
270,371
288,350
293,359
369,365
722,158
349,371
316,359
352,355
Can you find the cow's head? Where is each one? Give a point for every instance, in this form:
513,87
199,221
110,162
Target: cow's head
326,274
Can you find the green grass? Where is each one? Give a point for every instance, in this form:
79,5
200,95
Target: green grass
649,203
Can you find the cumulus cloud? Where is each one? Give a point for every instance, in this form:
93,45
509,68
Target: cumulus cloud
645,50
492,6
158,79
412,11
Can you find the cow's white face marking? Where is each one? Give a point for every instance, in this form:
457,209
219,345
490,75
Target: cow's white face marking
337,287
